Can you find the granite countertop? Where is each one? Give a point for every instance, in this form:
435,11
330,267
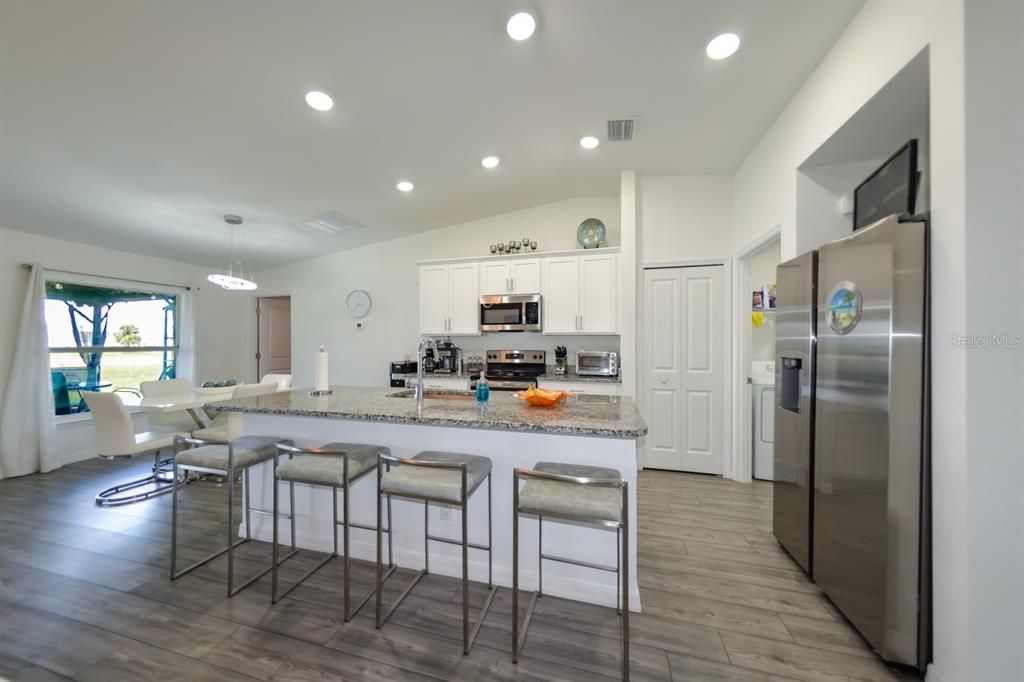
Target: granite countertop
598,416
571,375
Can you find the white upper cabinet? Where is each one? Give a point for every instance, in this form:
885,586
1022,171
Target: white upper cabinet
433,299
500,277
599,286
561,295
579,289
525,276
494,277
463,299
449,302
580,294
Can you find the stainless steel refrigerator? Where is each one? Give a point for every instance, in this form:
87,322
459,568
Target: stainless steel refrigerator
795,320
871,537
862,527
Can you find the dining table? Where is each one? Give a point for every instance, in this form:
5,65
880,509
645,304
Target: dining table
192,402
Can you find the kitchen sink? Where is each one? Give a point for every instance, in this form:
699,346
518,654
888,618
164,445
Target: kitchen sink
436,395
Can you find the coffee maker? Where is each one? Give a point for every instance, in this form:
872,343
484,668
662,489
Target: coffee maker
448,357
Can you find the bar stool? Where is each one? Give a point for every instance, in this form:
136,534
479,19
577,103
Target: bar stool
336,465
444,478
225,459
596,496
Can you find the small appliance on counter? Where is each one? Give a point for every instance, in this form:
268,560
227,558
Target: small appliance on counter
561,367
448,358
402,372
597,363
513,370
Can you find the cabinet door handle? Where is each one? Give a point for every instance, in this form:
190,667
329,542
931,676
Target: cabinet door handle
581,323
512,284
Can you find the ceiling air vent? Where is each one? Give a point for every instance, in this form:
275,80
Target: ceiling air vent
621,130
330,224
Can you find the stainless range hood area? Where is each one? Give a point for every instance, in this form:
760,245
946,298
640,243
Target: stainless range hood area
852,488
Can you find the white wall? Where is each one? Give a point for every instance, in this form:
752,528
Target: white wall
881,39
994,291
388,272
685,218
221,327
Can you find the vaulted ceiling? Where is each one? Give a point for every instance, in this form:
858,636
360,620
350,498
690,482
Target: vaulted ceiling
138,124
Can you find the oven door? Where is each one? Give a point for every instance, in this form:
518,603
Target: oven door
500,314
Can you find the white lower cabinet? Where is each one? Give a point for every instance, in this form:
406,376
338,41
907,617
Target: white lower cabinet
446,383
590,387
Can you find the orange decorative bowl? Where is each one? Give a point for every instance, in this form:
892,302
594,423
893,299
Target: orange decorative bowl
540,397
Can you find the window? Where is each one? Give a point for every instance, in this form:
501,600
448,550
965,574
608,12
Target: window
107,339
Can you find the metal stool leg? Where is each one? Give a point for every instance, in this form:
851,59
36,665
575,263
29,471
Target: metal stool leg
231,531
515,565
465,577
625,581
273,551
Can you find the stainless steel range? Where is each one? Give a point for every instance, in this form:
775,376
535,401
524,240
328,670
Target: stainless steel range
514,370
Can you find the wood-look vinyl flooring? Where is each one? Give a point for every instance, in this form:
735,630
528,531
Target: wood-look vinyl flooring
84,595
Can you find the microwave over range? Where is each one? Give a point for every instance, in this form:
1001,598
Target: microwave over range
510,313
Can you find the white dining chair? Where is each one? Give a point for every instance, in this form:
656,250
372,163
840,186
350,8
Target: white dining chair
168,389
283,381
116,438
227,426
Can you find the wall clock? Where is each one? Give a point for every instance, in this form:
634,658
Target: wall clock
358,303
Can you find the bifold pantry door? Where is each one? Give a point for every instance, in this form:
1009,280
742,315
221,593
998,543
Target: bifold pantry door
683,368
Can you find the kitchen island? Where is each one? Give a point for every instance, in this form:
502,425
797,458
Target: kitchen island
596,430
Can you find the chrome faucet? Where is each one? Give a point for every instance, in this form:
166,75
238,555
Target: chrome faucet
425,343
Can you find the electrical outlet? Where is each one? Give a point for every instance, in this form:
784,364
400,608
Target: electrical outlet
446,512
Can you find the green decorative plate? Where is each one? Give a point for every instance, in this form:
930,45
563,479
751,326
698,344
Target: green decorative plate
590,233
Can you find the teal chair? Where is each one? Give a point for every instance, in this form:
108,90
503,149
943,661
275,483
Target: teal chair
61,398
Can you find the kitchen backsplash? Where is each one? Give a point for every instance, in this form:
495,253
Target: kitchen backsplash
476,345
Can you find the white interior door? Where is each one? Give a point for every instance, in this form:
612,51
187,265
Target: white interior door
684,373
274,350
663,310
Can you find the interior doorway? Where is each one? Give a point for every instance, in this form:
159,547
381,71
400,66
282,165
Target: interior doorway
684,368
273,335
755,301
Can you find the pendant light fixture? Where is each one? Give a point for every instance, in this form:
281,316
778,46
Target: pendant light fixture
237,277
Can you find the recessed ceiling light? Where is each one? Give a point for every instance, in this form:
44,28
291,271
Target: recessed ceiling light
320,101
589,142
490,162
521,26
723,46
405,186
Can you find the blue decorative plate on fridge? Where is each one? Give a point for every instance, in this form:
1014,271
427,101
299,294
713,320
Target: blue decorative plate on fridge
590,233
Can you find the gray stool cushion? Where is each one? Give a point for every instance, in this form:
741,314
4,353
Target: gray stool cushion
438,484
249,450
326,469
572,499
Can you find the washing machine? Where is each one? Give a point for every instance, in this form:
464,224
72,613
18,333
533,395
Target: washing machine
763,391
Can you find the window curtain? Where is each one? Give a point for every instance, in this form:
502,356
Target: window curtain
185,363
27,421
